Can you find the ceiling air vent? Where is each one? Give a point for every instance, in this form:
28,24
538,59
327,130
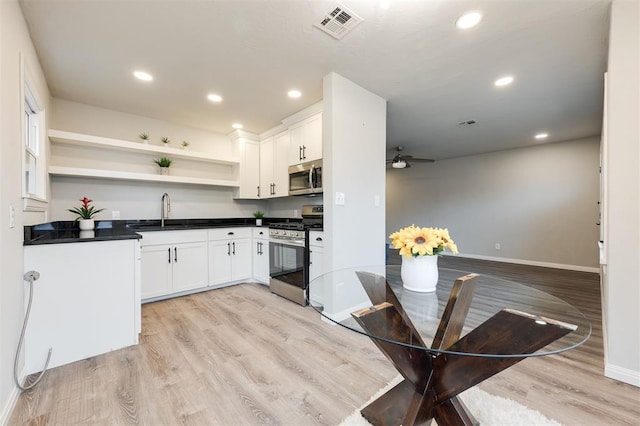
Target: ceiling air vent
338,21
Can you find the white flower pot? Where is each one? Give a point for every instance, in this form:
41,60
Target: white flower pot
420,273
87,234
86,224
258,222
164,171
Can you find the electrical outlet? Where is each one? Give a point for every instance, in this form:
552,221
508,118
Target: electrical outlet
115,214
497,246
339,198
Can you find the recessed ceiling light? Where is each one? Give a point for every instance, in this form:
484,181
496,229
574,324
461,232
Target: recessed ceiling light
294,94
503,81
141,75
214,98
237,126
384,4
468,20
542,135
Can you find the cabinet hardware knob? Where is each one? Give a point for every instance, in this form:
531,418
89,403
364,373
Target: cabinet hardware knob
228,249
230,233
169,254
175,254
234,247
319,239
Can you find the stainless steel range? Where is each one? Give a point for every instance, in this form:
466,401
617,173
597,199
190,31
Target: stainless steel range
289,255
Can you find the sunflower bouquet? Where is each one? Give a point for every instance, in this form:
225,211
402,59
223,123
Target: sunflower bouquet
414,241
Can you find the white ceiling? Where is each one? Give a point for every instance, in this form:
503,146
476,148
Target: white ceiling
253,51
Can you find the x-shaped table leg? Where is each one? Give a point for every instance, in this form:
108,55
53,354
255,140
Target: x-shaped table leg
433,380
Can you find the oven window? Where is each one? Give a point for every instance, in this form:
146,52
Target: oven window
286,263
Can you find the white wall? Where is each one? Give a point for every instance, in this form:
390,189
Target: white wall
14,39
141,200
354,136
538,203
622,274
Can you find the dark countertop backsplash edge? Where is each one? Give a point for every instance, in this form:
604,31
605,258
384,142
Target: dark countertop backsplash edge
106,230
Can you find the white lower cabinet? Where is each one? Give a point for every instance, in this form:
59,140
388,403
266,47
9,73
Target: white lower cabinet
316,262
229,255
261,255
173,262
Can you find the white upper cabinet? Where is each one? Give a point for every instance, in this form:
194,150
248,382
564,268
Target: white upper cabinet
274,175
249,171
306,140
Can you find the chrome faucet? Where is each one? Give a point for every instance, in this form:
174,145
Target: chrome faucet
165,211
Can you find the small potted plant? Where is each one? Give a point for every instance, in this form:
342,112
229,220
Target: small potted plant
145,137
85,214
258,215
185,144
164,164
166,141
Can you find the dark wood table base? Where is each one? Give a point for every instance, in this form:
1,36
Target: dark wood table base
432,379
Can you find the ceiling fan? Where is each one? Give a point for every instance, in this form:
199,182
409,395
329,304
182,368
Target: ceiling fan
402,161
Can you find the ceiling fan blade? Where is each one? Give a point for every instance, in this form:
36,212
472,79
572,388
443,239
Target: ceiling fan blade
422,160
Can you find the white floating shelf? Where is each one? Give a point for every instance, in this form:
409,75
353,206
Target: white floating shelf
142,177
70,138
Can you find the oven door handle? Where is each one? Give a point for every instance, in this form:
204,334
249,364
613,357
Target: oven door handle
287,242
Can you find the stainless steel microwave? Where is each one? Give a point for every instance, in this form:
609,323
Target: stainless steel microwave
306,178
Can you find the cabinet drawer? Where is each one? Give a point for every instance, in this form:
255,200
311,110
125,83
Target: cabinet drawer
261,233
316,239
227,233
172,237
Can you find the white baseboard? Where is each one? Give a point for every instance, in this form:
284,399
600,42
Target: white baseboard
529,262
622,374
7,409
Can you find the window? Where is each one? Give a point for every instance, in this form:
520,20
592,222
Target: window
33,136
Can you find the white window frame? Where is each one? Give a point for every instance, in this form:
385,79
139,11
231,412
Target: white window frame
33,141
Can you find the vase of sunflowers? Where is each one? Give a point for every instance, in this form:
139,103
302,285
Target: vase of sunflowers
419,248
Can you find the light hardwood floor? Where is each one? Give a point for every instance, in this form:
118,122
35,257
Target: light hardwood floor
243,356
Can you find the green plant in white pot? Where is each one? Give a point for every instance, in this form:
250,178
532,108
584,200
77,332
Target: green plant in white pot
259,216
164,164
185,144
144,137
85,214
166,141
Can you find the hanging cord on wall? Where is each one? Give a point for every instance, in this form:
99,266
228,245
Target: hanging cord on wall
30,276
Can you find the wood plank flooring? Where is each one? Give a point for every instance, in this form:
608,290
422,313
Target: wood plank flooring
243,356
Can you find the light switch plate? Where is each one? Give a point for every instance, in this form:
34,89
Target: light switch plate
339,198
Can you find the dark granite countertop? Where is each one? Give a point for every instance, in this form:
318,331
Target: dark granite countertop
108,230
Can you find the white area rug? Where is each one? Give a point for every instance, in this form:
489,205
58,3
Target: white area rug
489,410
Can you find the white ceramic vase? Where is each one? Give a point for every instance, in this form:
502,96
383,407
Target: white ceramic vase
258,222
164,171
420,273
86,224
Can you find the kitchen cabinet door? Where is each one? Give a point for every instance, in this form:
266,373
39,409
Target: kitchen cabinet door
249,170
281,165
240,259
156,271
266,168
190,269
306,140
219,262
260,254
313,134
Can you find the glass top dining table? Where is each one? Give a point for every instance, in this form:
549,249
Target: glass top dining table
341,296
